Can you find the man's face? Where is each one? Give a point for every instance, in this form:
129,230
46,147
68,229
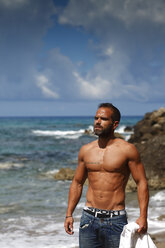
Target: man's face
103,124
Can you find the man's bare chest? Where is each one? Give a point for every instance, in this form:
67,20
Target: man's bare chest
105,160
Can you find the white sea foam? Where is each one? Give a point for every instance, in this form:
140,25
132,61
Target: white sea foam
74,134
67,134
60,134
160,196
127,134
90,128
120,129
80,205
155,211
30,232
10,165
49,174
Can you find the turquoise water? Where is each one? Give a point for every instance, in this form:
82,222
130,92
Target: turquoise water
32,203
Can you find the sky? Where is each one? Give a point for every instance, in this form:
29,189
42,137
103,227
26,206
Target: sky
64,57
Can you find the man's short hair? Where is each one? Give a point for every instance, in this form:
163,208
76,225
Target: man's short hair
116,113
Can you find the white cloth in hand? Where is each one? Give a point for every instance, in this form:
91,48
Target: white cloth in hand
130,238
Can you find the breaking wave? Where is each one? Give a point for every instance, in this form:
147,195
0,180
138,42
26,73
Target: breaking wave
10,165
58,134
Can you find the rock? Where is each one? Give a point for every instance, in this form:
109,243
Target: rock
149,138
161,120
147,115
161,217
131,185
118,135
89,132
152,154
156,184
128,129
157,113
152,124
64,174
155,129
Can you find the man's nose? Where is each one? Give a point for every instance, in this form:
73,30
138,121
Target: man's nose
98,120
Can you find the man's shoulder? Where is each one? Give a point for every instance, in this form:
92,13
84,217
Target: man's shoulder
88,146
128,147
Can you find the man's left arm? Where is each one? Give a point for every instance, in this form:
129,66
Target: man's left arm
138,174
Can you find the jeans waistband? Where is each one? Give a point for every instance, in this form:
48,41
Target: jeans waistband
100,213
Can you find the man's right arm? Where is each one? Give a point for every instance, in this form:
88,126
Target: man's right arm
75,191
138,174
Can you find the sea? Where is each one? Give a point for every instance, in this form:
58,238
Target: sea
32,203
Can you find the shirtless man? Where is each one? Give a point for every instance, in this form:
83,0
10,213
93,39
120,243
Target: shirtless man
107,163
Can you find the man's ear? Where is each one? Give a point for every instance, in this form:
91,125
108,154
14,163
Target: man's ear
115,124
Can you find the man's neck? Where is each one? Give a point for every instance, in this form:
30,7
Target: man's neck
104,141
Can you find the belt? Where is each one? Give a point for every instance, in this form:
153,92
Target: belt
99,213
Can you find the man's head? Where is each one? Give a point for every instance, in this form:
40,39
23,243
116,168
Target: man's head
116,113
106,120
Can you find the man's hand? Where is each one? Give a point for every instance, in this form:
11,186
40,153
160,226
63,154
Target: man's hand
69,225
142,222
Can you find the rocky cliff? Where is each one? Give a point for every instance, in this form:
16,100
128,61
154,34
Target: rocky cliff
149,138
152,125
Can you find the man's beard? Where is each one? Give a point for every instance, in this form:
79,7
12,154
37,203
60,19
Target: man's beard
103,132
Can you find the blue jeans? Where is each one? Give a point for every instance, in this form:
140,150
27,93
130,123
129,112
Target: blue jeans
100,232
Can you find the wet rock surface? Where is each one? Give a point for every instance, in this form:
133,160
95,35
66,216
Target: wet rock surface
149,138
153,124
64,174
